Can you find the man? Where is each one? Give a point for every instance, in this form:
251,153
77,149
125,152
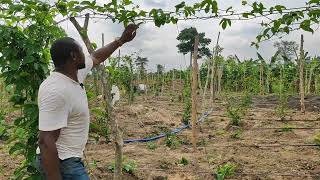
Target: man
63,107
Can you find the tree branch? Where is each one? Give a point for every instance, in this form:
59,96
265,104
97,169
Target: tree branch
86,21
83,33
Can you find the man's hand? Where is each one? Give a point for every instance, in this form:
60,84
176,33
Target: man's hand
103,53
129,33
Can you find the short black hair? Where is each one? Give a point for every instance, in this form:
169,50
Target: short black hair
61,50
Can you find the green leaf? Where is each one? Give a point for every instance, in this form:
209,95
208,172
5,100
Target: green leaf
180,6
16,147
305,25
225,22
244,3
280,8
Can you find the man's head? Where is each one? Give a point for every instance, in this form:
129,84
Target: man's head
67,52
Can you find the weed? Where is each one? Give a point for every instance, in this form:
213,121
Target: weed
287,128
183,161
281,109
171,141
237,134
247,100
226,170
151,145
235,110
220,132
128,166
316,139
164,165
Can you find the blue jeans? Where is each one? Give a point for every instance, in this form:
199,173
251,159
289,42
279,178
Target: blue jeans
70,169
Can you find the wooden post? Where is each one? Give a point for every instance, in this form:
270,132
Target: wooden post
194,88
261,79
303,108
213,71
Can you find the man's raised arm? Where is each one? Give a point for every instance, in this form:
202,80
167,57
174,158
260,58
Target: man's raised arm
105,52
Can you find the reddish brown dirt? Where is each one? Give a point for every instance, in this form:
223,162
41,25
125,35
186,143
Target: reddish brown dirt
263,151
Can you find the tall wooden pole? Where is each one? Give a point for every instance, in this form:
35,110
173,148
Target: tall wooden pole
213,71
194,88
303,108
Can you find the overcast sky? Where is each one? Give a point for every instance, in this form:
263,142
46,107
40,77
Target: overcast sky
159,44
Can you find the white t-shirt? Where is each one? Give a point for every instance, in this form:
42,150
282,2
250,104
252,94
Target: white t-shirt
63,105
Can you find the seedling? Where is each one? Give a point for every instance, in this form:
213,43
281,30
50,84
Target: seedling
171,141
151,145
316,139
128,166
183,161
226,170
234,111
237,134
287,128
281,109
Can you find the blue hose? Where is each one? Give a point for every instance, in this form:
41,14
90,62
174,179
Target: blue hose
174,131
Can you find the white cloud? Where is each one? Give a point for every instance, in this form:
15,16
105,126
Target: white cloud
159,44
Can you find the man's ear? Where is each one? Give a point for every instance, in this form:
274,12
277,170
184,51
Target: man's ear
73,56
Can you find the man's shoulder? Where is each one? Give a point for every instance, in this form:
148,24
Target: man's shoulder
52,84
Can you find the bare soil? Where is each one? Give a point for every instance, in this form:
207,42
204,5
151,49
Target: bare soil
265,150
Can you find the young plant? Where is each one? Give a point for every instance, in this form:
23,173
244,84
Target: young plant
237,134
183,161
316,139
128,166
281,109
151,145
234,111
171,141
187,103
226,170
287,128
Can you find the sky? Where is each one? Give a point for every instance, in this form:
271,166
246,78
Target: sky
159,44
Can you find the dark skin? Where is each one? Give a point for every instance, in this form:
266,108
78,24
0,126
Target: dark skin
47,139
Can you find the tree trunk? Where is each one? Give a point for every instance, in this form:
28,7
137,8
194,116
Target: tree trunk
303,108
194,93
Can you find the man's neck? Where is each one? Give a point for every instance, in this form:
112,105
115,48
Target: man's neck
71,74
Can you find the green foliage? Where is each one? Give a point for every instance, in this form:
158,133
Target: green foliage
281,109
100,125
25,55
183,161
225,171
187,104
187,38
128,166
287,128
234,111
151,145
316,139
237,134
172,141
